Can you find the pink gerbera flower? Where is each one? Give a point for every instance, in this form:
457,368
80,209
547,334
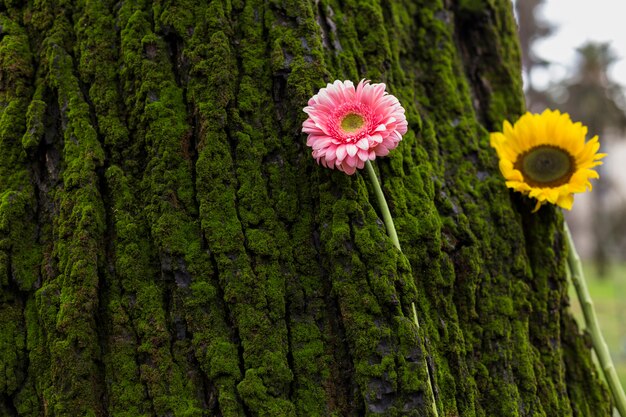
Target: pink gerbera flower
348,126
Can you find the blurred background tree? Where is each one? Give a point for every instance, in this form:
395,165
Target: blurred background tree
532,27
590,95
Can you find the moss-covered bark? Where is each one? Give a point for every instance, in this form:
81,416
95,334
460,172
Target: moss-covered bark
168,247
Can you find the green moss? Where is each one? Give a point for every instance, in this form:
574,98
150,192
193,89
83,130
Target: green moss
34,124
473,6
21,256
129,385
15,60
12,346
169,245
19,252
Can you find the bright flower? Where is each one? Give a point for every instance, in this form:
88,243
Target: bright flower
545,157
348,126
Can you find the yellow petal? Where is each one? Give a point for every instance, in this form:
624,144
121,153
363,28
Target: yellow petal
566,201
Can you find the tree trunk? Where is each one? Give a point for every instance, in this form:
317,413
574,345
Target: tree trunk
169,247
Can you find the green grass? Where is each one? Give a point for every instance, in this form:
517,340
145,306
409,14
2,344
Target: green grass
609,297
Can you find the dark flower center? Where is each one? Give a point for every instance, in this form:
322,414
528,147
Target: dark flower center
546,166
352,122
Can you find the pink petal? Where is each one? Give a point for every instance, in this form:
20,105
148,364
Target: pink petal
331,153
349,90
359,89
351,148
369,95
363,144
349,170
323,99
380,128
350,161
381,150
363,154
341,152
337,91
402,128
312,130
379,90
318,142
388,143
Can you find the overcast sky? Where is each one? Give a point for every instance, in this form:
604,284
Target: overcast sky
578,21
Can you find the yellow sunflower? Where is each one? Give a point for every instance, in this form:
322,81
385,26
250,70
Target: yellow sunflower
545,157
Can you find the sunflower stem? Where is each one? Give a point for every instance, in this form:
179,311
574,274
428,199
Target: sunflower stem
391,231
591,320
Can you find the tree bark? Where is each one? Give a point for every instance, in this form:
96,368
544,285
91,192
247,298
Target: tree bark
168,247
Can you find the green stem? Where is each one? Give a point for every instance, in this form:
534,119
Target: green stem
391,231
384,208
591,320
430,386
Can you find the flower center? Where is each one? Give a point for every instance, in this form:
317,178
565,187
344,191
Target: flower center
352,122
546,166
